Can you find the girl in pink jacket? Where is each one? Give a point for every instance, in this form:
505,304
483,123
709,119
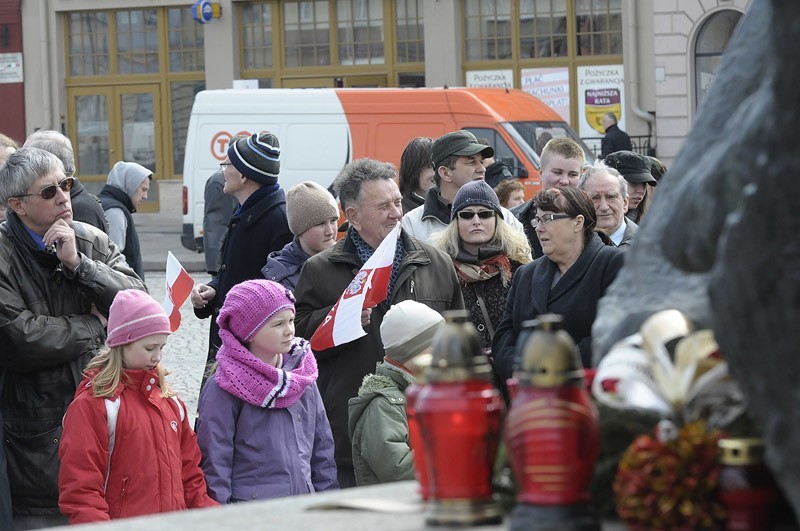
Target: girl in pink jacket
127,448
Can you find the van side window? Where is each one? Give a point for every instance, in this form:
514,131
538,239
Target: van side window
501,149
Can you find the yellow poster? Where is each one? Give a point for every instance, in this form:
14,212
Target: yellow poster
600,102
601,89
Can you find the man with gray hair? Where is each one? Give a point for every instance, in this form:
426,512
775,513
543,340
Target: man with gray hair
85,206
608,191
372,202
58,278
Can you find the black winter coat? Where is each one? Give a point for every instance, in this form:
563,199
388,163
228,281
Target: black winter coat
252,235
86,207
574,296
113,197
48,335
614,140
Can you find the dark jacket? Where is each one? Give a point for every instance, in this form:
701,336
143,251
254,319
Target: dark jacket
412,201
113,197
48,335
614,140
217,211
86,207
426,275
574,296
525,214
631,229
284,266
494,295
253,233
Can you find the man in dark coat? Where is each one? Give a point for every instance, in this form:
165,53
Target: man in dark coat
257,228
372,203
85,206
58,278
218,207
126,188
615,138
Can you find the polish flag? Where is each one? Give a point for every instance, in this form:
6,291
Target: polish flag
369,287
179,286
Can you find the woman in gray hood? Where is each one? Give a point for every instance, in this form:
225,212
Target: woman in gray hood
126,188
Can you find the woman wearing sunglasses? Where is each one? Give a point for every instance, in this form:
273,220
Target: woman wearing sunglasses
486,251
574,273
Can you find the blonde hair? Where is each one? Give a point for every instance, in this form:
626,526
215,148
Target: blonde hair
512,242
105,370
566,147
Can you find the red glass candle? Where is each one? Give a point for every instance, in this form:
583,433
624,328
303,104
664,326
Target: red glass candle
746,487
553,440
552,432
415,441
459,414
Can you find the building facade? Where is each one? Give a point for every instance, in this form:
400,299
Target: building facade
120,78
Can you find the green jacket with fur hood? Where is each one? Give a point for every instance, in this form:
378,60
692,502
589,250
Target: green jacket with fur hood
378,427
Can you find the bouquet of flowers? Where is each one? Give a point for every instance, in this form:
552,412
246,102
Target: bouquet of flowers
668,480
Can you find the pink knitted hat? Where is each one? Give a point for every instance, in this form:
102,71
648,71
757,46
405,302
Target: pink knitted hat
134,315
249,305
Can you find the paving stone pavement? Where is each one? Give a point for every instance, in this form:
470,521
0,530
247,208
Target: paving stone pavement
185,353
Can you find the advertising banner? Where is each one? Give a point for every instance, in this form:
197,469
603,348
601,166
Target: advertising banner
600,90
551,85
490,79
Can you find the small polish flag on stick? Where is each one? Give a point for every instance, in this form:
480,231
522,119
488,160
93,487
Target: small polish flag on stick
179,286
369,287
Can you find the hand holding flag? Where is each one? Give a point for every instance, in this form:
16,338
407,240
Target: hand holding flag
369,287
179,286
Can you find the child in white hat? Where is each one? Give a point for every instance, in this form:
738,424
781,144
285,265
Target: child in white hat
378,425
127,448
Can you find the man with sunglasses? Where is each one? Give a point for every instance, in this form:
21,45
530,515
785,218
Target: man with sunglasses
85,206
457,159
58,278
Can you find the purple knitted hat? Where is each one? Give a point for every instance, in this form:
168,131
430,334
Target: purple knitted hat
249,305
134,315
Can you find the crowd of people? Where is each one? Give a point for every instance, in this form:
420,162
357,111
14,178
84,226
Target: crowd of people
84,398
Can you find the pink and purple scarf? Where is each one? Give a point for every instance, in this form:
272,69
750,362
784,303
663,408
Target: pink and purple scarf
246,377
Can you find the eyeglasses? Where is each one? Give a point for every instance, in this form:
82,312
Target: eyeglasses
224,166
547,218
49,192
482,214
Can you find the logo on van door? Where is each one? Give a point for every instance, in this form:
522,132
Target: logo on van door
220,141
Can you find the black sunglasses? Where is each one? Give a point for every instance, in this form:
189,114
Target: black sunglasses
469,214
49,192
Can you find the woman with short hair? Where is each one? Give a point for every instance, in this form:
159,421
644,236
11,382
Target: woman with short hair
571,277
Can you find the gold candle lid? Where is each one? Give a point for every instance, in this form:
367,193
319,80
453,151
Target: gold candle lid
744,451
549,357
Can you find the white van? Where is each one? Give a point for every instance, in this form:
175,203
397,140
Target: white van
321,130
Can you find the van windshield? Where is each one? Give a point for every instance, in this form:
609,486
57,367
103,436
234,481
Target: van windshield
532,136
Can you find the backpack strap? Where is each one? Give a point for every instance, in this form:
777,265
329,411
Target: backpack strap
180,408
112,410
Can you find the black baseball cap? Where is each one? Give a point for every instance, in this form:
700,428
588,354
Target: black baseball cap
461,143
633,167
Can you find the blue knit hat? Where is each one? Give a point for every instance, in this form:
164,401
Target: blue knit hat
475,193
257,157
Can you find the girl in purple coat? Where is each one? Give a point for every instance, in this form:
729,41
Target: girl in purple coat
262,427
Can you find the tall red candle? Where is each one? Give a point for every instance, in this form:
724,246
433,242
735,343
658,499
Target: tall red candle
459,413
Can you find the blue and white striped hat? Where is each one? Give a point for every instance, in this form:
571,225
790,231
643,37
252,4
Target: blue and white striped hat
257,157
